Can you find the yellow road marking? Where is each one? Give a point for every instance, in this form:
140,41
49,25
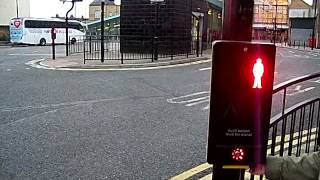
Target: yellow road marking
295,135
294,142
207,177
202,167
191,172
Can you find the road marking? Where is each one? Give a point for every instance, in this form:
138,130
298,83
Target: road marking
34,54
8,69
316,81
192,99
281,54
175,100
192,172
207,177
292,52
205,69
206,108
35,64
301,56
199,102
298,90
27,68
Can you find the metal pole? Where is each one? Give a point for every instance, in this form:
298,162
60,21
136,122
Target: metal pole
67,29
237,25
275,24
102,30
156,33
17,8
314,25
198,37
237,20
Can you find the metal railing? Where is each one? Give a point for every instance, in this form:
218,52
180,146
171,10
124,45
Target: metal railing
76,44
295,130
299,44
160,48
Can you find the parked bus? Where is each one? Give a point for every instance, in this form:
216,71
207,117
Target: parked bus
38,31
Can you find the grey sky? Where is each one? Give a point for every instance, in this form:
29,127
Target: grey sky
49,8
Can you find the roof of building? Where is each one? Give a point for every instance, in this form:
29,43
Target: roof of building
299,4
94,23
216,4
98,2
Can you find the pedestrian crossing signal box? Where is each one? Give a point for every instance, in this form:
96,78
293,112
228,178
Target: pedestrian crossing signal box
240,103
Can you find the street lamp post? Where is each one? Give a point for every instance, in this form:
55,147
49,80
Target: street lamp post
67,29
102,30
155,27
275,24
314,25
17,8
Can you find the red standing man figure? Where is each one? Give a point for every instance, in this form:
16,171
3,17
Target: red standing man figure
258,71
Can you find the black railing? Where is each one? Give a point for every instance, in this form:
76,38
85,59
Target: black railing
76,44
295,130
130,48
300,44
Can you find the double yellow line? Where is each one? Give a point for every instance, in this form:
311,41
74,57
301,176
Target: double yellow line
205,166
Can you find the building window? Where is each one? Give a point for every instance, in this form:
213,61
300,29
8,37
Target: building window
97,14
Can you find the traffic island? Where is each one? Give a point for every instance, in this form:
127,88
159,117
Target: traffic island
75,63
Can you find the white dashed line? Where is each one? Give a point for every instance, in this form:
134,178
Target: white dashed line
205,69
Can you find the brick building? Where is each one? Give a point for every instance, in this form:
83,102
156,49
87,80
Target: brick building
170,21
110,9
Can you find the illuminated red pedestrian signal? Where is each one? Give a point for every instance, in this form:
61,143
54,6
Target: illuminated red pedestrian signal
258,70
240,102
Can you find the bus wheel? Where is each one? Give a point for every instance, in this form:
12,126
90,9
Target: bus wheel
43,42
73,40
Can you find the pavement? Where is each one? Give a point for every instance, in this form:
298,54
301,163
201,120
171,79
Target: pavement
147,124
300,48
76,62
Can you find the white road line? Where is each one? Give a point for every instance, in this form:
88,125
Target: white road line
316,81
34,54
27,68
174,100
197,99
308,89
8,69
205,69
206,108
196,103
298,90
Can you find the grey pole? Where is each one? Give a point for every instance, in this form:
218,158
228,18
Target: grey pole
237,25
102,30
314,25
17,8
275,24
67,29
